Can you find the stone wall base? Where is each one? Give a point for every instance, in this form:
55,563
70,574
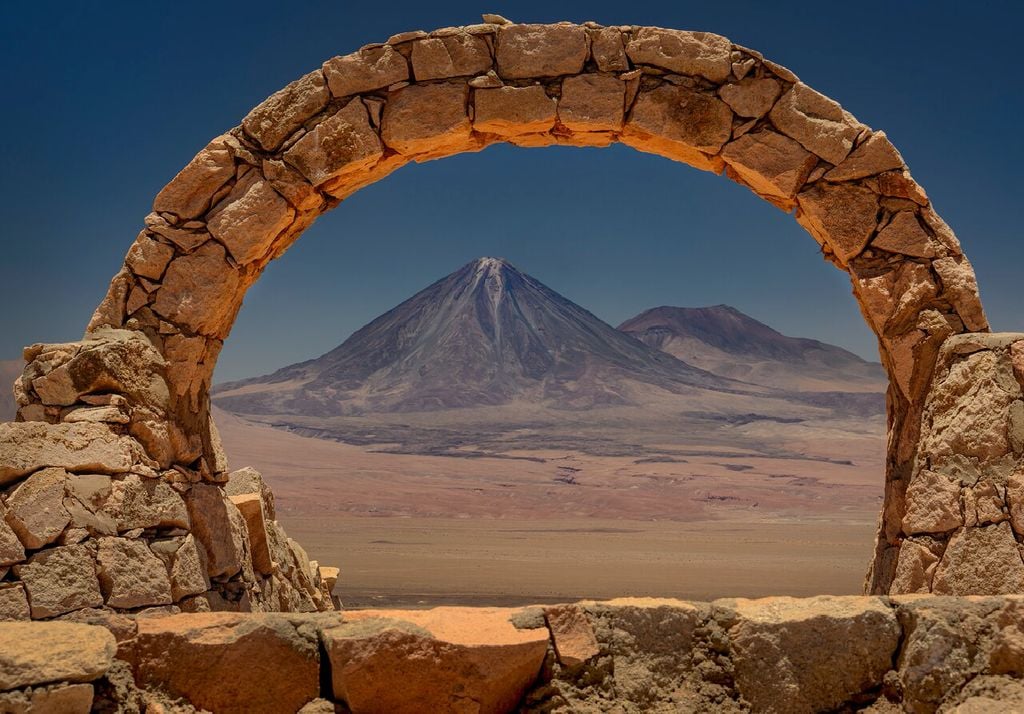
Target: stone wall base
874,654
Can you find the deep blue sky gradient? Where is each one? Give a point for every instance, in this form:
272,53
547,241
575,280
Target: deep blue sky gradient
104,102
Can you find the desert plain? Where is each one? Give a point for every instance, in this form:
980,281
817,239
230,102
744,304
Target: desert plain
686,517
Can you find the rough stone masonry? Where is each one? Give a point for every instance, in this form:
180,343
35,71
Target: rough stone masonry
116,494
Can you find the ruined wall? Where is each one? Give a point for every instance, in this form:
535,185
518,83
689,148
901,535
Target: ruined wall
633,656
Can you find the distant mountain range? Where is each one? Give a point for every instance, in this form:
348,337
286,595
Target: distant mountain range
724,341
490,335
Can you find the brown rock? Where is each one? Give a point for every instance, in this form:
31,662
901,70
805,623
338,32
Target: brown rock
905,235
11,549
811,654
512,111
455,55
235,663
188,569
35,511
592,102
751,97
961,287
148,258
984,503
365,70
427,119
284,112
13,602
981,561
218,525
816,121
250,218
608,50
770,163
188,195
933,504
528,51
344,142
874,156
572,634
842,217
130,575
29,446
892,298
900,185
137,502
1015,500
37,653
60,580
200,291
249,480
250,505
292,185
696,53
967,412
680,124
914,569
454,659
54,699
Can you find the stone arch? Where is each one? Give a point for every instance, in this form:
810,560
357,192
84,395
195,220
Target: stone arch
692,97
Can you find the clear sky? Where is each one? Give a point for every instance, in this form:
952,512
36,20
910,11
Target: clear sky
105,101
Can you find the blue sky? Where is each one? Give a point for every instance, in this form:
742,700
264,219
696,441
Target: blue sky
104,102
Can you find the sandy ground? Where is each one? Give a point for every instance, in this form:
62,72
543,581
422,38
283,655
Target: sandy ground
413,562
533,526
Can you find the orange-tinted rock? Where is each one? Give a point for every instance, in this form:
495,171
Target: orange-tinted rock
365,70
200,291
512,111
572,634
226,662
250,505
933,504
770,163
427,119
11,548
60,580
130,575
874,156
840,216
980,561
218,525
592,102
608,50
905,235
344,142
680,124
696,53
189,194
915,569
816,121
282,113
28,446
38,653
35,511
961,287
811,654
526,51
13,602
455,55
250,218
446,659
148,258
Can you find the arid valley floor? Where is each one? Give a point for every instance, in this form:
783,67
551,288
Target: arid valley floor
410,530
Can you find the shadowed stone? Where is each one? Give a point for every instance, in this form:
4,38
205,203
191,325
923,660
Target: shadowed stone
250,218
842,217
697,53
680,124
342,143
455,55
770,163
426,119
525,51
285,111
189,194
816,121
592,102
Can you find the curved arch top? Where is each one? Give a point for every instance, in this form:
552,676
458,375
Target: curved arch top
693,97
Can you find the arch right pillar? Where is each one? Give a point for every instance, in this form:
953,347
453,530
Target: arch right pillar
963,502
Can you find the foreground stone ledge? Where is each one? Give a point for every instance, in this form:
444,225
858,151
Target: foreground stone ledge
916,654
